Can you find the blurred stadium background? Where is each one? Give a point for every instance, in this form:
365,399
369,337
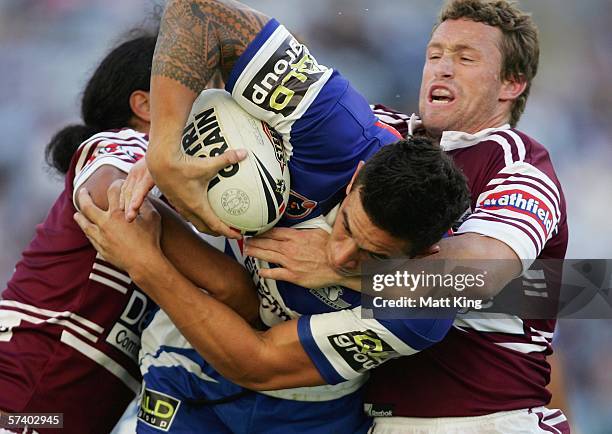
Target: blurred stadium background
49,47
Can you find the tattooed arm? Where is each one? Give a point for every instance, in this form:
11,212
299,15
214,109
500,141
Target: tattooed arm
197,39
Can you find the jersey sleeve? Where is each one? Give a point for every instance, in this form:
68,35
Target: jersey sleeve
342,345
120,149
323,121
519,205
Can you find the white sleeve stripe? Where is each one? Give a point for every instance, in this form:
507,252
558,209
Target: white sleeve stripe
536,181
508,159
535,232
118,139
125,135
390,114
86,150
491,322
535,275
516,141
104,142
523,348
547,335
523,168
535,238
261,57
389,120
107,282
514,237
114,273
483,217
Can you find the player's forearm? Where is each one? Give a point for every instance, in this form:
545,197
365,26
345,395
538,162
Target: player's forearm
218,334
259,361
170,106
206,267
495,257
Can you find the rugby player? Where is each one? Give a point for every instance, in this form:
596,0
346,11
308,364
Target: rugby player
490,373
70,322
481,61
329,129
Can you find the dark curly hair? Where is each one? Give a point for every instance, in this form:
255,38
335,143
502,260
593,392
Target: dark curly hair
413,190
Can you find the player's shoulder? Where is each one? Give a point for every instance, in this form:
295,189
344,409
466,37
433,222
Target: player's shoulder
516,152
507,146
123,136
125,140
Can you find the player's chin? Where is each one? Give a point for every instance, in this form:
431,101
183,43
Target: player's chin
437,121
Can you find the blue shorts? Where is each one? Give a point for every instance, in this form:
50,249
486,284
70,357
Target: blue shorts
183,394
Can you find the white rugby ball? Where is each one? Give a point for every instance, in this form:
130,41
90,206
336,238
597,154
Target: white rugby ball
249,196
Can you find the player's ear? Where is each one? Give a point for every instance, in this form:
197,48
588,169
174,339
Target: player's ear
139,103
359,166
512,88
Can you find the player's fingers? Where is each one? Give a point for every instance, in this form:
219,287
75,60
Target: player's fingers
265,255
126,187
216,226
88,208
215,164
88,228
265,244
136,197
113,193
138,173
276,274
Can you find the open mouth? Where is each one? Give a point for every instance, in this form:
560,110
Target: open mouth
440,95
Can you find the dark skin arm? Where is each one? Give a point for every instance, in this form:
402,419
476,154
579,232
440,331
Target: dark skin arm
202,264
196,40
274,359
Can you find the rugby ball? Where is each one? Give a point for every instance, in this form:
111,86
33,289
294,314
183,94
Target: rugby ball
251,195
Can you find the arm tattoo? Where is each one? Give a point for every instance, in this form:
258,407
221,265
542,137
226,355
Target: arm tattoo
199,37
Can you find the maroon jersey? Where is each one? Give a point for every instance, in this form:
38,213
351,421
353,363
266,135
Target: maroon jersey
70,322
487,362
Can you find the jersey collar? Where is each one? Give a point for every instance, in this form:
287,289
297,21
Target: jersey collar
457,139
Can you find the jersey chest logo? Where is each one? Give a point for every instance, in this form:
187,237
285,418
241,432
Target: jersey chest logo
299,206
125,334
331,296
